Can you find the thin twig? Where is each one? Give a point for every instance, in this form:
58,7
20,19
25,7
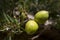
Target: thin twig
40,33
47,26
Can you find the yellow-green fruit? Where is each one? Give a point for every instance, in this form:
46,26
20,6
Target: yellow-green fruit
31,27
41,16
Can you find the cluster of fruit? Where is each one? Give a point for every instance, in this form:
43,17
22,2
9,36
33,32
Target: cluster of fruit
40,18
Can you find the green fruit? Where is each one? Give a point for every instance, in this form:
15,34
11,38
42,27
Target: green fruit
41,16
31,27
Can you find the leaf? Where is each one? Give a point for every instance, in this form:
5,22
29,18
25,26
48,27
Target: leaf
10,18
6,18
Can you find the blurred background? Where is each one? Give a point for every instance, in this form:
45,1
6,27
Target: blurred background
13,16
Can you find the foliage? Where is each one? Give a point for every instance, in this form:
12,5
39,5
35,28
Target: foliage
14,13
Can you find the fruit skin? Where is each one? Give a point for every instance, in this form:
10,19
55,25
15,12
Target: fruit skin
31,27
41,16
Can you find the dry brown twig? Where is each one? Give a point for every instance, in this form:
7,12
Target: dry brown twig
47,24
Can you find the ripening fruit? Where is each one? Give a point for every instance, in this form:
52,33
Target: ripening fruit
41,16
31,27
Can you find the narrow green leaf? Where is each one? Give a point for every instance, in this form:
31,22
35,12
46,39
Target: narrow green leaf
10,18
6,17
